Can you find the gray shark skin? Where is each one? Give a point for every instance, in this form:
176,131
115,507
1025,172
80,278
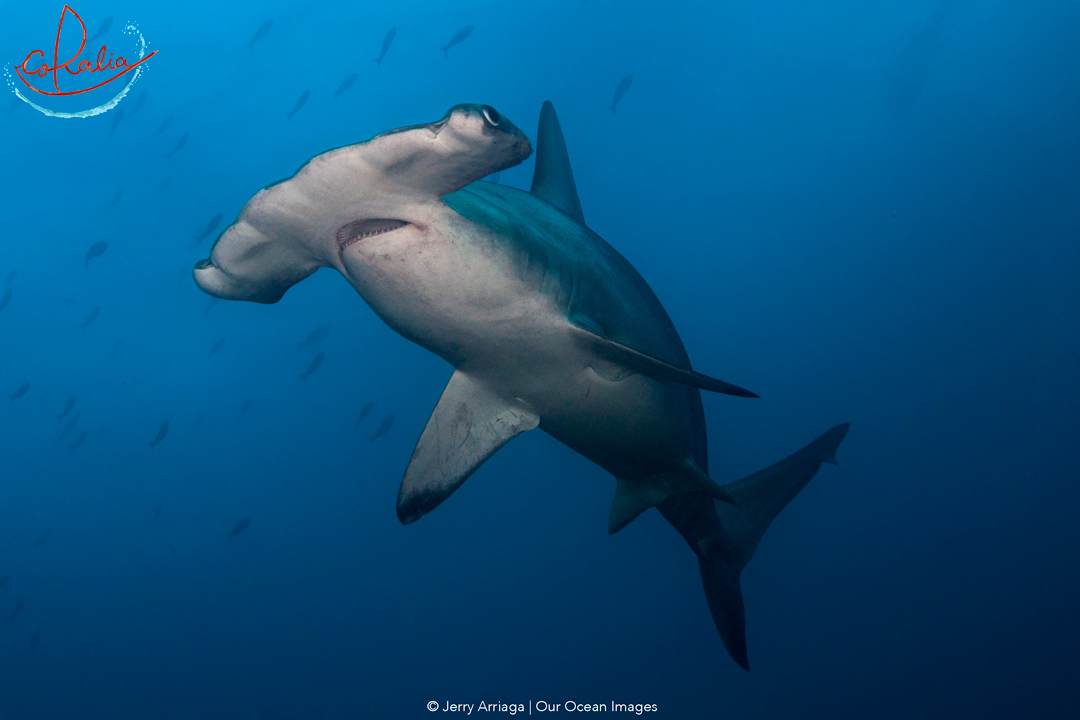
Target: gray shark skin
545,324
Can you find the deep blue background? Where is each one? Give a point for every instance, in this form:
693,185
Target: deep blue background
867,213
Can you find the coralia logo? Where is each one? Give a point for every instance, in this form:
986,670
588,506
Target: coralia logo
86,81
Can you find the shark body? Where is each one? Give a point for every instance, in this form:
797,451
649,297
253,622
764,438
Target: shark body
545,324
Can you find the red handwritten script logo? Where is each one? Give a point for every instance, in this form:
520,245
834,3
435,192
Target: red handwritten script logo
117,66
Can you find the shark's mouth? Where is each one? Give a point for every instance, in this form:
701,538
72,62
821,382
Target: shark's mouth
361,229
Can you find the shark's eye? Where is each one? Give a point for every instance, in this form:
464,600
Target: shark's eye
491,115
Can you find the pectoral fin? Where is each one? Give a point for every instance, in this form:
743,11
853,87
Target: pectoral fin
657,368
468,425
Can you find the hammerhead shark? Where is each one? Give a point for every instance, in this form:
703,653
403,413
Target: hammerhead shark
544,323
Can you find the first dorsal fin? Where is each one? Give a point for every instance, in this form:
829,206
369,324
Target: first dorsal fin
553,179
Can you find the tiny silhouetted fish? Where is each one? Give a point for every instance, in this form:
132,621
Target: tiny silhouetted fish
68,407
384,426
239,528
620,90
157,511
6,299
116,348
458,38
4,580
95,251
386,45
364,412
139,102
316,336
69,427
161,433
210,227
12,274
23,389
41,540
248,404
315,363
261,32
179,144
91,317
102,29
300,102
35,640
164,184
19,605
164,124
346,84
218,344
210,303
78,441
117,119
115,199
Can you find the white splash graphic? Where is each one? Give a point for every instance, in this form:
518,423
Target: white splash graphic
129,29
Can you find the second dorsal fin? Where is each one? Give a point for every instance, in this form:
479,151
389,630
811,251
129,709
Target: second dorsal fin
553,179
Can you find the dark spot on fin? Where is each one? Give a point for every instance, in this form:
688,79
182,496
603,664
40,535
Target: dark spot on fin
361,229
553,179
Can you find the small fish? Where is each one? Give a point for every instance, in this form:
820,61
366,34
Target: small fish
68,407
117,119
12,274
161,433
458,38
115,199
116,348
346,84
4,580
41,540
69,427
179,144
157,511
23,389
164,124
300,102
218,344
19,605
210,303
384,426
95,251
620,90
261,32
248,404
35,640
139,102
164,184
102,29
6,299
239,528
78,441
91,317
315,363
316,336
386,45
210,227
364,412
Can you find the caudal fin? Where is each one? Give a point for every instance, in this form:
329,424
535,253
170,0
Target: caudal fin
758,499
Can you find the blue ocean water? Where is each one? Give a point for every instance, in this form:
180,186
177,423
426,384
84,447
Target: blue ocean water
864,213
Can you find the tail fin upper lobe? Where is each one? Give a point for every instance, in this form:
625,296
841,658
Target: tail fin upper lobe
725,535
